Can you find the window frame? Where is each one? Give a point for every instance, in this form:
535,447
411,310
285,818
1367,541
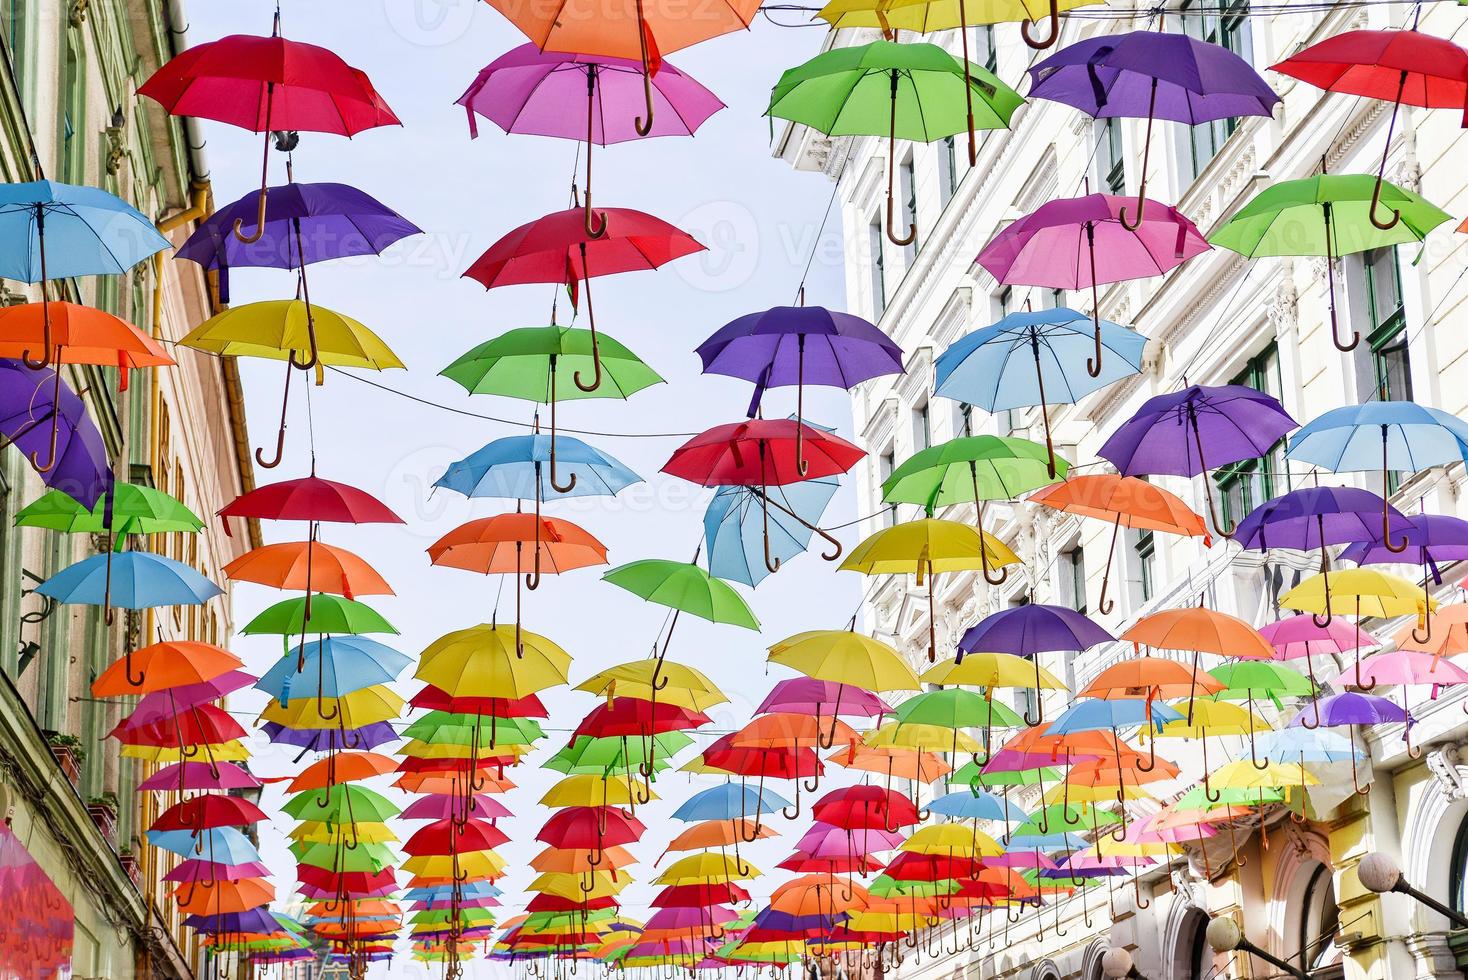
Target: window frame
1238,477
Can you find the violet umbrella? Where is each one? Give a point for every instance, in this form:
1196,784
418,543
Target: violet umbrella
1152,75
1028,631
800,345
1082,242
36,410
1347,709
1167,435
541,93
1432,540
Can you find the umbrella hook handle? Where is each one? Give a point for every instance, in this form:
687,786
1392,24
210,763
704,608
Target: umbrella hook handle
35,455
1151,757
1396,215
1040,45
315,358
239,223
285,402
1127,223
892,173
128,669
643,124
1394,547
1360,681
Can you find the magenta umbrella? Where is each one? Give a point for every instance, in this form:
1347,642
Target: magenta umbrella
541,93
1299,638
199,775
1082,242
441,807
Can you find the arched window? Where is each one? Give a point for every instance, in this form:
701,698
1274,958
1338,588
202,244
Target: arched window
1319,921
1195,943
1458,872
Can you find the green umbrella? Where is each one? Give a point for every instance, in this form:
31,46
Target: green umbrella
329,614
603,756
1328,215
524,363
371,858
443,728
683,587
886,886
901,91
1245,680
1058,817
342,804
971,774
956,708
1197,798
972,469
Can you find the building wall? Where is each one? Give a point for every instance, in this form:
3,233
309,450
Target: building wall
68,109
1215,320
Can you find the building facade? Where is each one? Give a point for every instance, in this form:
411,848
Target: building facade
1217,319
69,111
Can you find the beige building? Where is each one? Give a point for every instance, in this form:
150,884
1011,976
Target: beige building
1218,319
67,102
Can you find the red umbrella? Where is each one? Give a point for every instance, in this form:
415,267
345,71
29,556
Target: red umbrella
591,827
698,896
634,717
437,699
835,864
346,882
1403,67
201,724
557,248
910,866
865,807
555,903
448,837
762,453
267,84
309,499
209,810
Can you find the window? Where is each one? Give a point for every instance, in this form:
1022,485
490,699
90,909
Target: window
874,256
922,428
1320,918
1199,954
986,52
1052,299
1225,23
1386,324
1458,873
1245,485
1003,301
1110,156
73,112
947,170
1146,552
886,463
1073,564
907,187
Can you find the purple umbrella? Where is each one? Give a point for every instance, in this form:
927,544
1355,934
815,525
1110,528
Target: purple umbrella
325,739
1167,434
1152,75
807,695
540,93
1028,631
250,920
197,869
442,807
1081,242
38,411
304,223
163,704
1431,539
799,345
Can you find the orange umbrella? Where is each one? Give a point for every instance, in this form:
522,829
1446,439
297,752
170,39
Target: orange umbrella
342,767
223,896
1125,501
80,335
449,784
813,895
308,566
1152,678
560,860
1199,630
354,907
893,760
718,833
791,730
164,665
1447,633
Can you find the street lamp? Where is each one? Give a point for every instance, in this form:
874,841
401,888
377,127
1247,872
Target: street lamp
1118,964
1224,935
1379,872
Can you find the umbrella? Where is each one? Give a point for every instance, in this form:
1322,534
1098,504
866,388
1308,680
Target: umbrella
907,91
1167,435
834,349
172,664
139,581
341,767
682,588
1152,74
308,566
1326,215
557,248
268,84
1080,242
1122,500
515,467
537,92
1412,437
92,233
524,363
484,661
328,614
1360,592
1199,630
1028,631
845,659
1424,71
38,413
761,453
926,547
277,329
734,526
79,335
1301,637
1015,362
343,664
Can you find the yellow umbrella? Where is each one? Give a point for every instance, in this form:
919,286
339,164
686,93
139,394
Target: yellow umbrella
486,662
279,330
706,867
358,709
927,547
587,790
990,670
478,864
1276,775
565,885
677,684
221,752
952,838
916,736
319,832
1359,592
926,16
1088,793
846,657
1211,719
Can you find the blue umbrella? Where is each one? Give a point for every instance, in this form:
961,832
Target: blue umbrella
343,664
730,801
219,845
1058,841
1036,357
1389,435
1097,714
733,526
976,804
140,580
1303,745
58,231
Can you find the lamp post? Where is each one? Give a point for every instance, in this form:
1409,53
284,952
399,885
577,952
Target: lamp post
1224,935
1118,964
1380,873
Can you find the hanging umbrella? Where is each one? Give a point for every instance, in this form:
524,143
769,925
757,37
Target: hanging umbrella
277,330
682,588
906,91
516,467
1028,631
1404,66
1081,242
139,580
1146,74
1328,215
1351,708
927,547
1434,539
761,453
342,767
1034,358
1312,518
343,664
1198,630
38,413
539,92
734,526
308,566
1300,637
1361,592
267,84
328,614
1169,433
484,661
1124,501
1410,437
557,248
172,664
78,335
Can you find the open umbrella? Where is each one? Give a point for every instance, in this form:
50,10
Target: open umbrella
682,587
1199,630
79,335
1359,592
1028,631
900,91
734,526
40,414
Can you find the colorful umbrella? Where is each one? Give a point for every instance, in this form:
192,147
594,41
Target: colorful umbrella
38,413
1028,631
734,527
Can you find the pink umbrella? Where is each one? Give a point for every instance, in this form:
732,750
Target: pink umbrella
1299,638
439,807
826,840
1082,242
1146,831
542,93
199,775
1412,667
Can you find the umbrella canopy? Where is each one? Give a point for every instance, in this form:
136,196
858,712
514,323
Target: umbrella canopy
78,335
308,566
683,587
1028,631
738,519
972,469
518,467
42,417
139,580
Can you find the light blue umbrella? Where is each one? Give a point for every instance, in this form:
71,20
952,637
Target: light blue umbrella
1039,357
1097,714
518,467
730,801
331,667
733,526
1301,745
1386,435
1056,841
219,845
469,889
980,805
140,580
